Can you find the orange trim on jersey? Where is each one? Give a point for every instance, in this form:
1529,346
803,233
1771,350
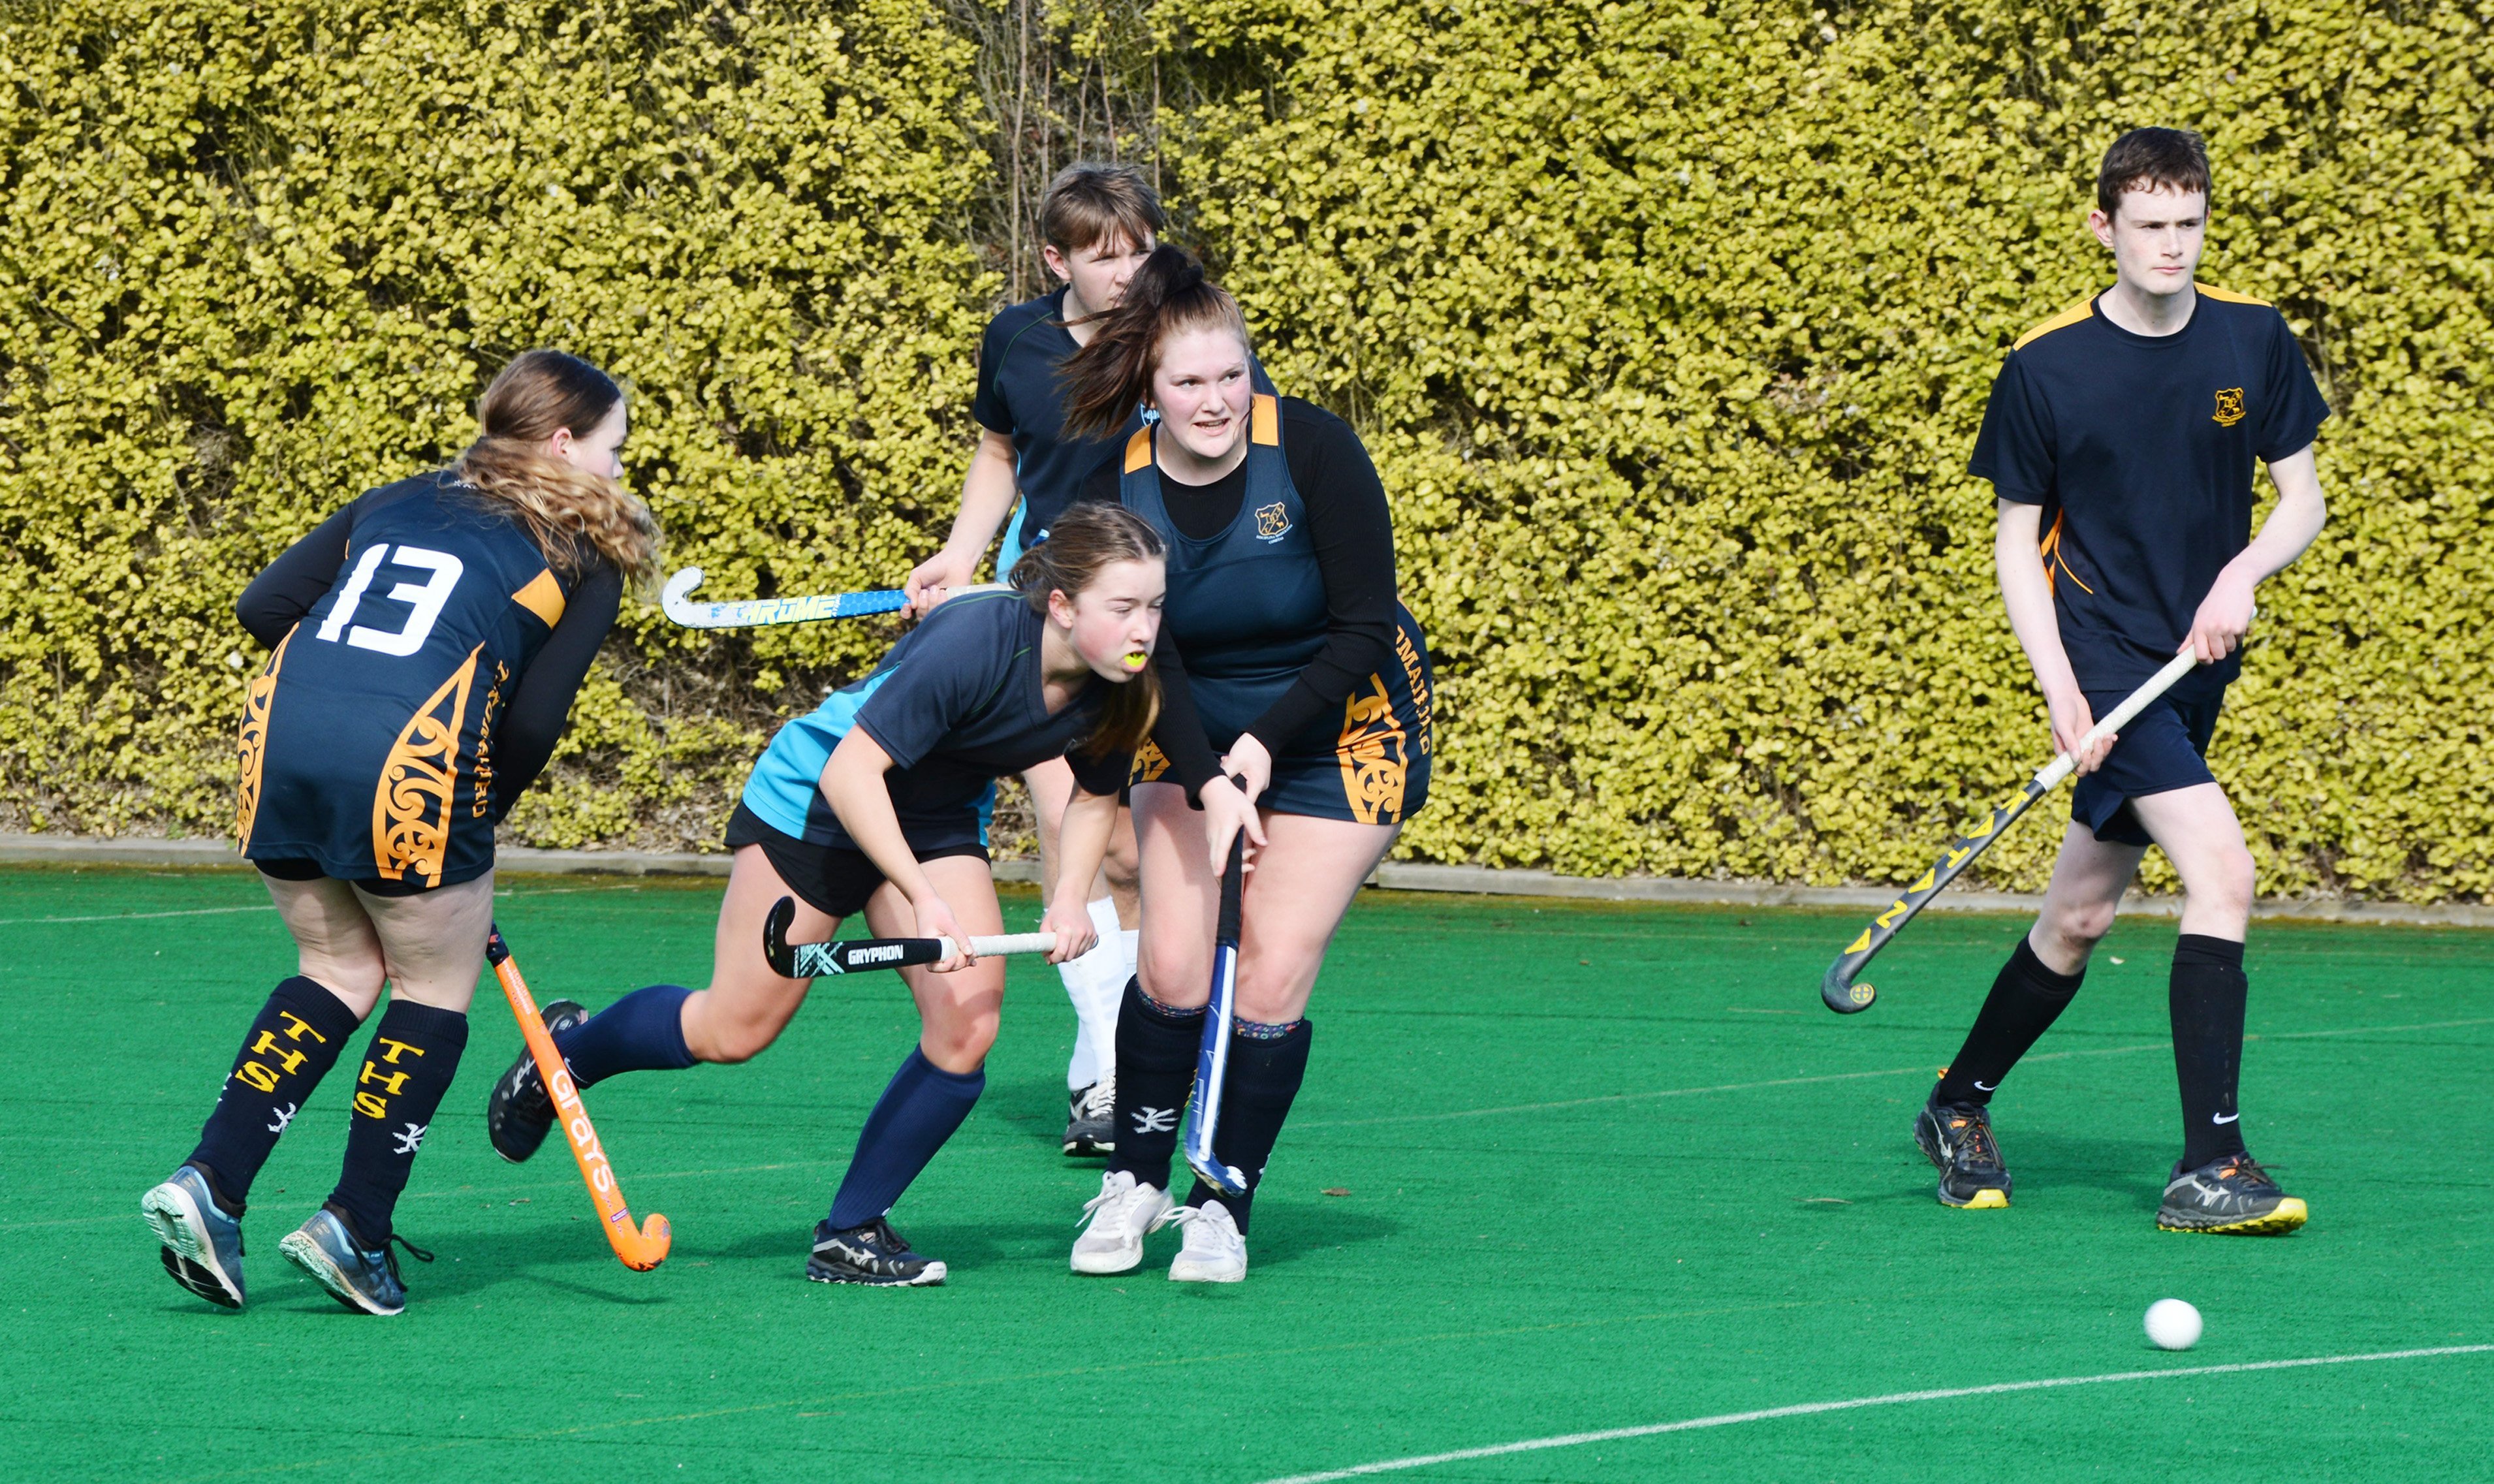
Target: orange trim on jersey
2224,296
253,742
1265,421
2050,551
2074,315
543,596
1138,449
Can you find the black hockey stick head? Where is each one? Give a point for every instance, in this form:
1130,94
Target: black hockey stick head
1838,989
776,950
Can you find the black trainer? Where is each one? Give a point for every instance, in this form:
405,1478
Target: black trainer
1091,1119
871,1254
518,1111
2233,1195
1957,1137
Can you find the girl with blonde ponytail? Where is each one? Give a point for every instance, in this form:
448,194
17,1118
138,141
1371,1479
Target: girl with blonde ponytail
425,643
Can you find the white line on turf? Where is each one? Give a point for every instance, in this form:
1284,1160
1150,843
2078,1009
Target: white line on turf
1849,1077
131,916
1892,1399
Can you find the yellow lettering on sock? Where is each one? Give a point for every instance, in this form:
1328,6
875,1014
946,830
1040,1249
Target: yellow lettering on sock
371,1107
254,1075
396,1047
392,1082
296,1028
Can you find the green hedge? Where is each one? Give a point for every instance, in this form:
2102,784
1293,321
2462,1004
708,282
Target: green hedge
1669,324
1672,326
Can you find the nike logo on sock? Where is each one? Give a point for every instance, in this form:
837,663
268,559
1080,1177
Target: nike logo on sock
2226,1117
1979,1087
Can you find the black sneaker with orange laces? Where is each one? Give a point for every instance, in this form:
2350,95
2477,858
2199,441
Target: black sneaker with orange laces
2232,1196
1957,1137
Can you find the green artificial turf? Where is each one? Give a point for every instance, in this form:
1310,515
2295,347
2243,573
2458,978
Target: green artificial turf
1604,1168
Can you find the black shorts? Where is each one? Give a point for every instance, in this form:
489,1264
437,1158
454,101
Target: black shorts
305,868
2165,747
832,879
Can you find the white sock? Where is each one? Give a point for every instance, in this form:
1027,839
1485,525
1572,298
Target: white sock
1089,985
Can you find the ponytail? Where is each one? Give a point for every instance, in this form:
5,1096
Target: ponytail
1107,379
1079,543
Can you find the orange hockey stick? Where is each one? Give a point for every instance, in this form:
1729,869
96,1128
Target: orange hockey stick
639,1250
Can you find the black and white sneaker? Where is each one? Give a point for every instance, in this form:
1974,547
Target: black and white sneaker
518,1111
1957,1137
2233,1195
871,1254
1091,1119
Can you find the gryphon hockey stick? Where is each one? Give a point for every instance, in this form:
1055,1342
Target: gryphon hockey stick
813,960
641,1248
761,612
1838,989
1212,1061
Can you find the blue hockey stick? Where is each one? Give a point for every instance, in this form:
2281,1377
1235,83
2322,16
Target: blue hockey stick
1212,1062
761,612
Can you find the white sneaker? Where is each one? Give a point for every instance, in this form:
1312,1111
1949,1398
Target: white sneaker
1121,1215
1215,1251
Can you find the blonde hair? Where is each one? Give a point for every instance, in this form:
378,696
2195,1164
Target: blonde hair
571,513
1085,539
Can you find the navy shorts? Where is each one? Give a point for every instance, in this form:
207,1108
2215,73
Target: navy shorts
832,879
2165,747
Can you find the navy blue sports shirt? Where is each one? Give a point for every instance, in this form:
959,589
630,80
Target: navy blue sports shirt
1018,397
958,704
2142,451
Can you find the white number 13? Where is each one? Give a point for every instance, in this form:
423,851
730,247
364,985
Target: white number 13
425,600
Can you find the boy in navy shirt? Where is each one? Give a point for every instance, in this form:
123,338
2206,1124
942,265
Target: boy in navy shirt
2121,439
1097,222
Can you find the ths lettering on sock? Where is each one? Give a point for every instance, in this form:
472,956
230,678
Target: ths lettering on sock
406,1071
296,1038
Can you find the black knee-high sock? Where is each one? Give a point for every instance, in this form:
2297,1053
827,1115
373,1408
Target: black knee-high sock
2025,999
297,1037
1156,1052
1263,1077
2207,995
414,1054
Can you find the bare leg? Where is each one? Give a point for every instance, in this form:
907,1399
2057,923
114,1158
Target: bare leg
2087,884
747,1004
335,945
1303,882
2197,830
433,944
958,1012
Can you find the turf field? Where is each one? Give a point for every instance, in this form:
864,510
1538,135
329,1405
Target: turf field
1557,1170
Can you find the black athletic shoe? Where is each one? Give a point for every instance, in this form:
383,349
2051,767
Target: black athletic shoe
1091,1119
518,1111
872,1254
1957,1137
2233,1195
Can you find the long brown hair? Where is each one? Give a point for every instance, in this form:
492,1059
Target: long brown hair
1085,539
570,512
1107,379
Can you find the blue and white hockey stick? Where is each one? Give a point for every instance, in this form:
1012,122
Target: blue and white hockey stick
761,612
1212,1062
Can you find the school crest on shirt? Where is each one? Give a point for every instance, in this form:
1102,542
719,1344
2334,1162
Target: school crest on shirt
1272,522
2229,406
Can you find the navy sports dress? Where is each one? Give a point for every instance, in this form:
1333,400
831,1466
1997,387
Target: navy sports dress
1250,613
368,743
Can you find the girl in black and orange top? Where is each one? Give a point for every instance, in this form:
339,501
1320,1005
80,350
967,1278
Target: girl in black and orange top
426,643
1311,683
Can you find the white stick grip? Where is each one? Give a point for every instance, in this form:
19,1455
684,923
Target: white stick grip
995,943
2132,705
